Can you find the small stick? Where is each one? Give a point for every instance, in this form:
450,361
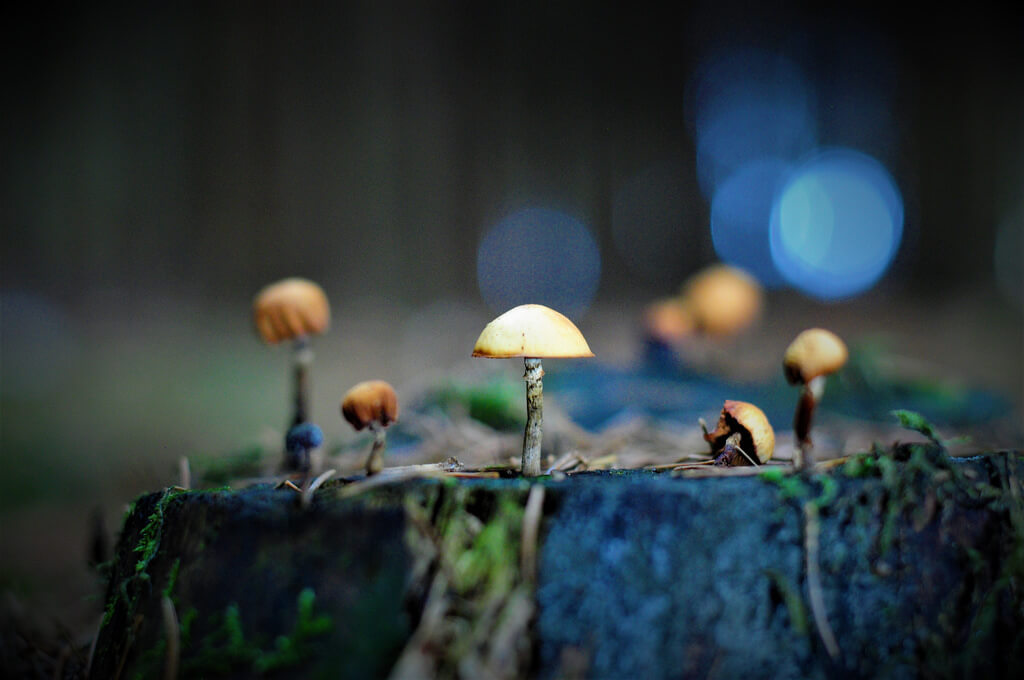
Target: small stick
92,646
184,473
307,495
173,633
531,528
812,530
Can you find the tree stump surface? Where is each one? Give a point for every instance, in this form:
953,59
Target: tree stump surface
918,572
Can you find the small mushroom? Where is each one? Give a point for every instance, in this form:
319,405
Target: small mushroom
722,300
815,354
533,332
371,404
300,440
743,435
667,321
293,309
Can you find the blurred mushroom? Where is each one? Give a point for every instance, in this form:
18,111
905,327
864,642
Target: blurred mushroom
300,440
371,404
815,354
533,332
667,321
743,435
722,300
293,309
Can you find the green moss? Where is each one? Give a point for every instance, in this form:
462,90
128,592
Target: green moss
227,649
172,578
791,598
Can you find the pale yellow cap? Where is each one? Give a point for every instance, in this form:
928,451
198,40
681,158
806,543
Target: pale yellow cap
289,309
815,352
532,331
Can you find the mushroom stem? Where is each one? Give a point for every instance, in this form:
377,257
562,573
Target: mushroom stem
534,417
810,395
375,462
302,359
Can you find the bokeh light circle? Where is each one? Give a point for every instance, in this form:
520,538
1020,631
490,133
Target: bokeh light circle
741,215
836,224
746,104
539,255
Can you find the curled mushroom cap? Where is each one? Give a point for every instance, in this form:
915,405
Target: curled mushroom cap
532,331
370,402
815,352
757,438
722,300
289,309
668,320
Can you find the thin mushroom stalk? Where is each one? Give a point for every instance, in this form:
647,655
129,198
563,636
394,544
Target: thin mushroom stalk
810,395
534,417
302,360
375,461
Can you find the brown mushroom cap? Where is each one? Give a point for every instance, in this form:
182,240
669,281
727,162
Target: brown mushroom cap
532,331
290,309
757,438
668,320
722,300
369,402
814,352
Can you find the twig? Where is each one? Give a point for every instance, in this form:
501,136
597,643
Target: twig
745,455
92,646
531,528
184,473
385,478
812,530
307,494
173,633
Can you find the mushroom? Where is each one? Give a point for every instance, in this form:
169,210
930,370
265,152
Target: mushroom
293,309
371,404
815,354
300,440
722,300
743,435
667,321
533,332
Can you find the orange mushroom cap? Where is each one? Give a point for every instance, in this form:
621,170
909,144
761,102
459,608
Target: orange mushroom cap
813,353
668,320
290,309
369,402
757,437
722,300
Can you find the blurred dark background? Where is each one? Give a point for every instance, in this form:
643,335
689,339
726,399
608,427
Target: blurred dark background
165,163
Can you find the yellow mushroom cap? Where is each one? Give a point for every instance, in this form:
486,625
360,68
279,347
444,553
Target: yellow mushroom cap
532,331
757,437
722,300
668,320
814,352
372,401
289,309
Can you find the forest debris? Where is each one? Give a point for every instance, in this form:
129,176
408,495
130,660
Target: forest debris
812,532
172,633
307,493
531,529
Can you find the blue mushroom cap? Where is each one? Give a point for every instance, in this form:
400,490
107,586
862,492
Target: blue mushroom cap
303,437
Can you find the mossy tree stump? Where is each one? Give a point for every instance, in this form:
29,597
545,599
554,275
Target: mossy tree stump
917,571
